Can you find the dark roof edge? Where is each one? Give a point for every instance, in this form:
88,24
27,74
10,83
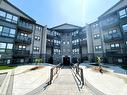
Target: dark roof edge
65,24
20,10
110,8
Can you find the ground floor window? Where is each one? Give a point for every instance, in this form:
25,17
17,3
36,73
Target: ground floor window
120,60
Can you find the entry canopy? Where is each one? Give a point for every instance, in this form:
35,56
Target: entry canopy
66,27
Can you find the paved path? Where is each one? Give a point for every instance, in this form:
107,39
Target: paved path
109,83
2,77
64,85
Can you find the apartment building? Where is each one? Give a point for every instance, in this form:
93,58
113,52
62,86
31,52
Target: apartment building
18,41
113,26
22,40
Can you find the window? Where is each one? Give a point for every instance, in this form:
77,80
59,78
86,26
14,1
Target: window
96,36
114,31
14,19
5,31
126,42
115,45
9,46
98,48
2,47
124,28
112,45
37,38
1,29
22,47
3,14
9,17
36,48
122,13
12,33
67,42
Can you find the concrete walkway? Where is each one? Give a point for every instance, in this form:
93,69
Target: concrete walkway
64,84
25,82
109,83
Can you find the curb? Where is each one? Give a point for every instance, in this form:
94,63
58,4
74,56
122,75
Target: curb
4,86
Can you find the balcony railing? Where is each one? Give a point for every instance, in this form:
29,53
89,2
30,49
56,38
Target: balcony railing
3,51
57,45
83,42
21,53
50,36
75,45
113,37
116,51
49,44
23,39
25,26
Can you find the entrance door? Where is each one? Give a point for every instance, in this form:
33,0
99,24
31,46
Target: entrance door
66,60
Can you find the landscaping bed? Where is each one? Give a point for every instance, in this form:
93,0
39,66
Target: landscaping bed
4,67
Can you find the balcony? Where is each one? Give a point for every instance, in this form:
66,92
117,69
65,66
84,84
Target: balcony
83,43
50,36
57,45
49,44
114,37
75,46
21,53
25,26
5,51
116,52
23,39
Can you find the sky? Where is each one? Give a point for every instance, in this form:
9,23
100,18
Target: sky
56,12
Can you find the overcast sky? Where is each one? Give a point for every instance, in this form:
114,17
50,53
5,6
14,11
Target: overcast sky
56,12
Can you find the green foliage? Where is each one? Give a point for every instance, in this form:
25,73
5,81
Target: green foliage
98,60
39,60
7,67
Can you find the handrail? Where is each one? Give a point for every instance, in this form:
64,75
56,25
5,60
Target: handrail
54,71
79,74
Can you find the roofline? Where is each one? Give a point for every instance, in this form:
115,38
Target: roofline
110,8
65,24
19,10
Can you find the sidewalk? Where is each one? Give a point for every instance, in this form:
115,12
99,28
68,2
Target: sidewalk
65,84
108,83
25,82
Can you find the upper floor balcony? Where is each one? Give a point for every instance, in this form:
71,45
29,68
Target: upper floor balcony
75,45
21,53
5,51
26,26
109,21
83,42
49,36
49,44
23,39
57,45
112,37
116,51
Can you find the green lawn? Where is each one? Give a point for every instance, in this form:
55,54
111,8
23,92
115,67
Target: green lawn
7,67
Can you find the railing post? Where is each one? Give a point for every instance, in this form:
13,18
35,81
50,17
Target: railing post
51,76
82,77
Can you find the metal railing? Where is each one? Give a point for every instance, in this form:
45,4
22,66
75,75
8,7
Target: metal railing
79,74
54,71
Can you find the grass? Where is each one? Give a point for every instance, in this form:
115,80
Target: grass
7,67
